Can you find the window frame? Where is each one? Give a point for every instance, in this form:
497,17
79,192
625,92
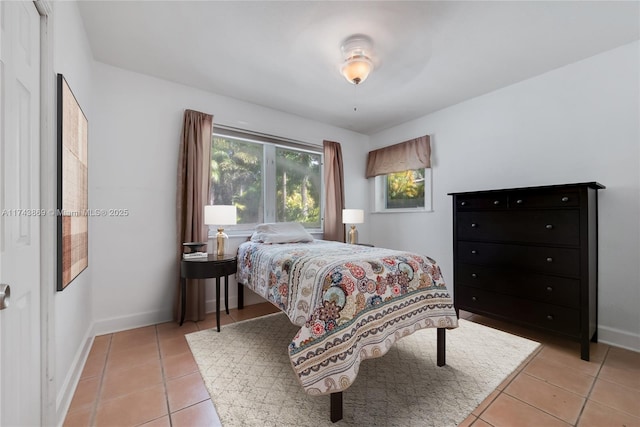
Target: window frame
270,144
380,195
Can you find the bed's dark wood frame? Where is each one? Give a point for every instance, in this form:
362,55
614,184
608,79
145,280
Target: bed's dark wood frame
336,398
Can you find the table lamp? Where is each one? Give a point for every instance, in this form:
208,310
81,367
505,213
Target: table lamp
352,216
220,215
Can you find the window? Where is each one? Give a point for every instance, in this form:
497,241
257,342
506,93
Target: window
402,176
268,180
404,191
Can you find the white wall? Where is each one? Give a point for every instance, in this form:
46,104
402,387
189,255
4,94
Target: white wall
135,133
72,307
575,124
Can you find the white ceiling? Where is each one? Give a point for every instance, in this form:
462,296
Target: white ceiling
286,55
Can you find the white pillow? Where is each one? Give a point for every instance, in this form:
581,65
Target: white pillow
281,232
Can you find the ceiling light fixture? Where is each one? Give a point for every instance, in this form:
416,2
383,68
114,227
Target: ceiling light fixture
357,61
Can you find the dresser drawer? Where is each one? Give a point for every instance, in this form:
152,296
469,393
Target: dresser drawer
499,201
529,226
561,261
550,289
537,199
521,310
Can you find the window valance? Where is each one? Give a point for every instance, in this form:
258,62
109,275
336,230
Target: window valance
408,155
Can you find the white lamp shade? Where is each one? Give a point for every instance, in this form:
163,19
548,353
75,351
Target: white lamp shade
220,215
352,216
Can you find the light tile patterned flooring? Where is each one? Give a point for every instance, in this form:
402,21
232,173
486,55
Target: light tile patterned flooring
147,376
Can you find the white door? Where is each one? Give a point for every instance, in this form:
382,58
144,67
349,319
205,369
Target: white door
20,219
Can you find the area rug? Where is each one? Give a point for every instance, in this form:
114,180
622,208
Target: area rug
247,371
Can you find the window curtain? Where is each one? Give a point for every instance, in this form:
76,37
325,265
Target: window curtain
334,191
408,155
193,193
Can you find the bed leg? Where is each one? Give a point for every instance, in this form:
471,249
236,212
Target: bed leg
336,407
441,347
240,296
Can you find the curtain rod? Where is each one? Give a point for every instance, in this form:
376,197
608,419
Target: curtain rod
266,135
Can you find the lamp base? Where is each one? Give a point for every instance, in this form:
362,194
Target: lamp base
221,242
353,236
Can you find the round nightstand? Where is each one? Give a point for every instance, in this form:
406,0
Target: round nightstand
213,266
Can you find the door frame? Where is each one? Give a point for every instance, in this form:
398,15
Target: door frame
48,410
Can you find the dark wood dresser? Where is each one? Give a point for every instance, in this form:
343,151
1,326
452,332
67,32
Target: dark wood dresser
530,256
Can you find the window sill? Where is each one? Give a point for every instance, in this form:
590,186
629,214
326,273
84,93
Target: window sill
246,234
409,210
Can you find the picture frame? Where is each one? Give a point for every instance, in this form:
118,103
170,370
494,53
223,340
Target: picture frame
72,186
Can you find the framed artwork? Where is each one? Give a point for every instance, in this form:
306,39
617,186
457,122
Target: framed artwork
72,198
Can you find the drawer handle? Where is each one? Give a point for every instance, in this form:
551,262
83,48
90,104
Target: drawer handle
549,226
463,203
474,299
496,202
549,259
473,251
549,289
549,317
519,201
474,225
474,275
565,199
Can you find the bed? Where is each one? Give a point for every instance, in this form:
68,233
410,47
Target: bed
351,302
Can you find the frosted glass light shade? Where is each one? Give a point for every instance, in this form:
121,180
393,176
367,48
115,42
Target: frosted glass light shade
357,69
357,64
352,216
220,215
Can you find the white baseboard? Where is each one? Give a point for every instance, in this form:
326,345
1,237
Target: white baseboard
619,338
249,299
210,305
123,323
70,382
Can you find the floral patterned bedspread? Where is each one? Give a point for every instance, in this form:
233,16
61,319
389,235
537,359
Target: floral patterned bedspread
352,302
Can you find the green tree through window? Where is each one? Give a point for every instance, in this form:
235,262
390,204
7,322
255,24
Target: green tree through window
267,182
236,177
298,187
405,189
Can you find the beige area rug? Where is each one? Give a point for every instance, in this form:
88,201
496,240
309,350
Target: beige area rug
247,371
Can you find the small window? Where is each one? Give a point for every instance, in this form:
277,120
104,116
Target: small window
406,191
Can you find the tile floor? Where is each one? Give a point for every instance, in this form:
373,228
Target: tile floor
148,377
